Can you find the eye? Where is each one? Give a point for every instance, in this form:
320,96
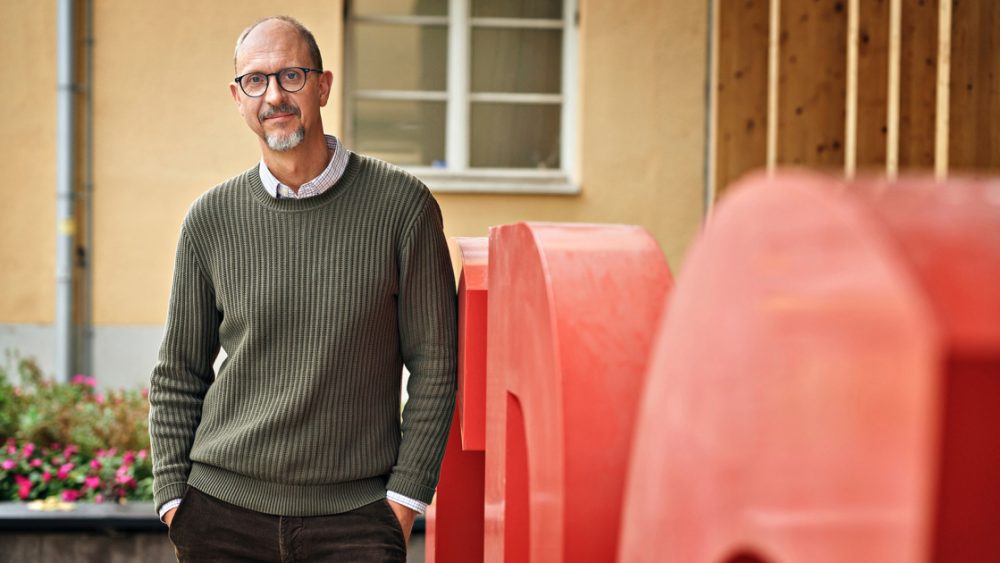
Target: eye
255,78
292,74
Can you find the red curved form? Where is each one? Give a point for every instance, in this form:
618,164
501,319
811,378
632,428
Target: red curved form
454,521
827,384
572,312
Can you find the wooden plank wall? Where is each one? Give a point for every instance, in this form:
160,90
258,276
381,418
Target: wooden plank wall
812,83
741,89
873,83
974,136
958,40
918,74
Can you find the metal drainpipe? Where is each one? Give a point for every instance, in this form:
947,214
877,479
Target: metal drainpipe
87,347
65,172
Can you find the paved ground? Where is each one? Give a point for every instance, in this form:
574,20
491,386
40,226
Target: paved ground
415,551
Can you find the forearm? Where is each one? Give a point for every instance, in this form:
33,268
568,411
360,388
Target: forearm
182,375
428,326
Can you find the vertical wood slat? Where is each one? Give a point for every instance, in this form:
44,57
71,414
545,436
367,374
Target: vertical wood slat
773,73
851,125
974,124
892,141
712,136
918,75
942,90
741,89
812,82
873,78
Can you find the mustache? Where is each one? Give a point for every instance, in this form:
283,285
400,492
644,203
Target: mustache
274,110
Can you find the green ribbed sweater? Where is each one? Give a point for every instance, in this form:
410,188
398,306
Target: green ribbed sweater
318,303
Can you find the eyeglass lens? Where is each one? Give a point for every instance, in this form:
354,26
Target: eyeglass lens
290,80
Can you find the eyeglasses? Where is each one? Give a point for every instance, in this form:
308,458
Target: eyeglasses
291,80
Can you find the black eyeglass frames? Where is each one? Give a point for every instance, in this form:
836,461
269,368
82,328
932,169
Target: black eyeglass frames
291,79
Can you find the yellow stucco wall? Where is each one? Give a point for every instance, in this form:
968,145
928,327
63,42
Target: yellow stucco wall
166,130
27,159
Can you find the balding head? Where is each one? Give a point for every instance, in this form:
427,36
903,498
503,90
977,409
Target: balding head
303,32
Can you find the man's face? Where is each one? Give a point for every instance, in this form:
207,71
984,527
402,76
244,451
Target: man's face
281,119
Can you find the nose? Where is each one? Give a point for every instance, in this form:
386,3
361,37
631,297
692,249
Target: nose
274,94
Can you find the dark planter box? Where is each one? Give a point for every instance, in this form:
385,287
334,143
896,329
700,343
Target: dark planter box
90,532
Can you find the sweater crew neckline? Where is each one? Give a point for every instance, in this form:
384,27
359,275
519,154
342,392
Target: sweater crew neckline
267,201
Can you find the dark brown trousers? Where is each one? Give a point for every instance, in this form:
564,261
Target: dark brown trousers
205,528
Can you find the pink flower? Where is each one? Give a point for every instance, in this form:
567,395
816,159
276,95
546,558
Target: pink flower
70,496
98,498
70,450
11,450
81,379
96,465
64,470
46,476
128,458
29,449
145,393
37,462
8,464
99,399
143,454
92,482
23,487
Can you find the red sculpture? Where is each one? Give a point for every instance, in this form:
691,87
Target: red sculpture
455,520
826,386
572,312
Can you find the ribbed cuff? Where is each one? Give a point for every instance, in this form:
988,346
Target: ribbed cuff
408,488
168,493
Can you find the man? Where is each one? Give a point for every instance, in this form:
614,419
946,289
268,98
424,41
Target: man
320,272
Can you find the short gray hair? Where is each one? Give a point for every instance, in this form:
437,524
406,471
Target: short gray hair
302,30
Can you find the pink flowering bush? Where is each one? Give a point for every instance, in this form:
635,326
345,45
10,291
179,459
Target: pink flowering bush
71,442
29,472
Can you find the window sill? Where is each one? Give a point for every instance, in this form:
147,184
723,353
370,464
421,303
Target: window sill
495,181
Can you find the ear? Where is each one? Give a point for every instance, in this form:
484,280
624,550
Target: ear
234,89
325,83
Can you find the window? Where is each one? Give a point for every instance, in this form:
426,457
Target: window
469,95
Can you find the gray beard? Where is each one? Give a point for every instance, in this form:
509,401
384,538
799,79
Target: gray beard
286,143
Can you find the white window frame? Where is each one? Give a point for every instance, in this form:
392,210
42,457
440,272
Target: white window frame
457,176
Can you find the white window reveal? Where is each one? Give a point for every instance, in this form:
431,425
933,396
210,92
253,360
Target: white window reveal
469,95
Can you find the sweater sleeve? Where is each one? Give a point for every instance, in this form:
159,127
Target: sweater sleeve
183,373
428,327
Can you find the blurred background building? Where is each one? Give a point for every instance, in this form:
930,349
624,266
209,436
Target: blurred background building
634,111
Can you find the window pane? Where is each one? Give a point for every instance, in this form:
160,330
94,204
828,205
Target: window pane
546,9
400,57
400,132
400,7
516,60
515,135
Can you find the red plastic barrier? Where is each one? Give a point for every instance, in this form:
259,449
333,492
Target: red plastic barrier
827,384
572,314
472,292
454,521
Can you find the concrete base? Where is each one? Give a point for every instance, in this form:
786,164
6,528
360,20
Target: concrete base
123,356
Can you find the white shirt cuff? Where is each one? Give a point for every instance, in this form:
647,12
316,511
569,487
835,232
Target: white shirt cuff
406,501
167,506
